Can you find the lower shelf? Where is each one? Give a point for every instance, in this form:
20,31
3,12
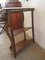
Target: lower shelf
22,44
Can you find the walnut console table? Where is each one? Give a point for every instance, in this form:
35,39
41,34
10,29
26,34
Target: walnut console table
22,44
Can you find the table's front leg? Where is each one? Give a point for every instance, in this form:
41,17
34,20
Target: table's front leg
12,35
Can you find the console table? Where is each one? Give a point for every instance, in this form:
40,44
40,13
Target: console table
9,10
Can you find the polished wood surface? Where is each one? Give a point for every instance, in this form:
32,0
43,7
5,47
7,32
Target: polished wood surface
16,18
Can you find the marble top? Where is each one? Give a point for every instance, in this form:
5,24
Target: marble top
17,8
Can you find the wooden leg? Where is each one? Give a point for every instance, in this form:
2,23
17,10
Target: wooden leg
7,32
12,47
24,35
32,25
11,40
13,44
12,35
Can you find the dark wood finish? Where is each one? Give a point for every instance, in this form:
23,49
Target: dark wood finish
18,31
17,20
32,24
16,24
12,36
23,44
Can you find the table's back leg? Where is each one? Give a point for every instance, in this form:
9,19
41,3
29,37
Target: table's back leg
32,24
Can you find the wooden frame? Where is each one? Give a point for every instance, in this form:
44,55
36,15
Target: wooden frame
22,44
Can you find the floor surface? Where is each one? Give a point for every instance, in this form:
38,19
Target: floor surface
31,52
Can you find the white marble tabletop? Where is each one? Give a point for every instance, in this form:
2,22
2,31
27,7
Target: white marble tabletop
16,8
